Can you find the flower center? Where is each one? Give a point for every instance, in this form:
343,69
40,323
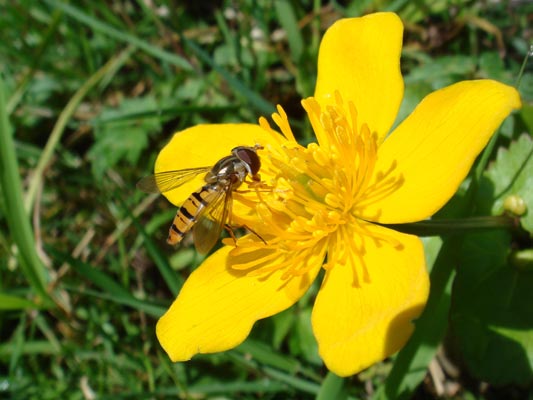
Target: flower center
318,192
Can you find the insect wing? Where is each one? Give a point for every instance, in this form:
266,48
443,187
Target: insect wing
165,181
207,229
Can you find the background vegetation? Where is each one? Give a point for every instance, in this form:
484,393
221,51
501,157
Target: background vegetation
91,90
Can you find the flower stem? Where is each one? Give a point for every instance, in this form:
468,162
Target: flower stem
441,227
523,67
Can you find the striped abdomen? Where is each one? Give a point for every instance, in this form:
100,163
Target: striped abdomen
189,212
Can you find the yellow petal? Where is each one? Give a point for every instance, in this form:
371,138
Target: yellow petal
360,58
436,146
356,326
218,304
203,146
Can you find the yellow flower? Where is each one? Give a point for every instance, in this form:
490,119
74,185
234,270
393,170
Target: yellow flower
322,202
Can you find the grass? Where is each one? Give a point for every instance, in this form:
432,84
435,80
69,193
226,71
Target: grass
90,91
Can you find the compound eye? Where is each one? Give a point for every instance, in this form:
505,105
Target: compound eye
249,156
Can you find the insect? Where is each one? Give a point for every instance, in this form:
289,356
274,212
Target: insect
208,210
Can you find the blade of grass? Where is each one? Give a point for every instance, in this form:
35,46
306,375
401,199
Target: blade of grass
172,279
262,353
9,302
98,278
44,328
256,358
110,31
259,103
161,112
17,219
289,23
122,225
291,380
139,305
205,390
111,289
15,347
64,117
314,43
259,386
34,347
333,387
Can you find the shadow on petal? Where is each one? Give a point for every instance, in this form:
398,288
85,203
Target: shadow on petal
401,328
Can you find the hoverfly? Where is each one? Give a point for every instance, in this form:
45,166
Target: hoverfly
207,210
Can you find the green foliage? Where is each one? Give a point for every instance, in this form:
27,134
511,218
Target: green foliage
491,314
491,318
9,302
91,90
509,175
332,388
122,134
302,342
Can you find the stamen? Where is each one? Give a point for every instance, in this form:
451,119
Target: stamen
384,185
282,121
317,193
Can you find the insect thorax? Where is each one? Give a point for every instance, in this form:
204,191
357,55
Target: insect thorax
228,170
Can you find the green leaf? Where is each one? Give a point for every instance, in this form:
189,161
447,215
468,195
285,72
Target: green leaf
491,318
491,66
442,71
413,94
509,175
